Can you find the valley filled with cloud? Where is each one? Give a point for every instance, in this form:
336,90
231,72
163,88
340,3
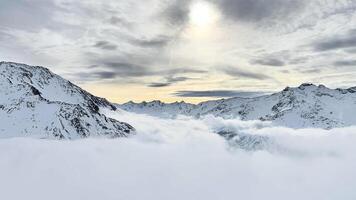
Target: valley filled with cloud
184,158
177,99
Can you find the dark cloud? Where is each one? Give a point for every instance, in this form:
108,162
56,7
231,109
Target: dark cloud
101,76
127,72
217,93
337,42
185,70
110,68
269,62
351,50
299,60
258,10
137,70
176,79
343,7
118,21
310,71
158,85
176,12
160,41
313,71
168,82
105,45
275,59
125,69
93,75
134,67
285,71
235,72
345,63
105,74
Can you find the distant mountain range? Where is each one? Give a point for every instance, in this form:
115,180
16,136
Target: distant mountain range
38,103
300,107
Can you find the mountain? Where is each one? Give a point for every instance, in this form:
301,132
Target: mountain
300,107
38,103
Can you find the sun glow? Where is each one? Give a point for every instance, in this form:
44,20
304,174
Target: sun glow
202,14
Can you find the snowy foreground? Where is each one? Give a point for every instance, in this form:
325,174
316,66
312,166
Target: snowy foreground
182,159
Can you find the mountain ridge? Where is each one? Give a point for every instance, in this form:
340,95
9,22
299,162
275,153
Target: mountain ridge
305,106
51,106
47,105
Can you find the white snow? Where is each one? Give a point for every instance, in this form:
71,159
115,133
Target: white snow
306,106
176,155
34,102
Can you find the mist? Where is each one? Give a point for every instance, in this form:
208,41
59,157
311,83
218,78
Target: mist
183,158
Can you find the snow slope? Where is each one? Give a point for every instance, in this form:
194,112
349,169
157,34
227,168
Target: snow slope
301,107
35,102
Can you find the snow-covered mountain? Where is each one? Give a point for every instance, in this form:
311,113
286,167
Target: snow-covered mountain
305,106
36,102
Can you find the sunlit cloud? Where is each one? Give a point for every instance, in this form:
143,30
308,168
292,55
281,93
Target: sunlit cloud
125,40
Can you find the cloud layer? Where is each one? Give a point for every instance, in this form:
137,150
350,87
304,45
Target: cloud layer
182,159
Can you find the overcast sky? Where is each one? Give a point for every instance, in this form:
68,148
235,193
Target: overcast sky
189,50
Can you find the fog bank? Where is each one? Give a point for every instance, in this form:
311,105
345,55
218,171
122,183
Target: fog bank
182,159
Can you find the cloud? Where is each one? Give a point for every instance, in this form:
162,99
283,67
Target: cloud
183,159
150,40
309,71
112,70
5,36
157,42
168,82
217,93
299,60
91,76
258,10
351,50
125,69
269,62
176,12
118,69
26,15
105,45
185,70
158,85
275,59
236,72
336,42
345,63
119,21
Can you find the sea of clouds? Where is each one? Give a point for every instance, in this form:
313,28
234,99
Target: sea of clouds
183,158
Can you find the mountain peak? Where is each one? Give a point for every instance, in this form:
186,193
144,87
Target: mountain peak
306,85
307,105
51,106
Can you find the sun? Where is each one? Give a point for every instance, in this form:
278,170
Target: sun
202,14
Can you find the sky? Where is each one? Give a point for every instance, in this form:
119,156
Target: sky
191,50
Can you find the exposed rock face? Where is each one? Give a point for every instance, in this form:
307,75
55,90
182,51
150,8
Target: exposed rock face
246,141
36,102
305,106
